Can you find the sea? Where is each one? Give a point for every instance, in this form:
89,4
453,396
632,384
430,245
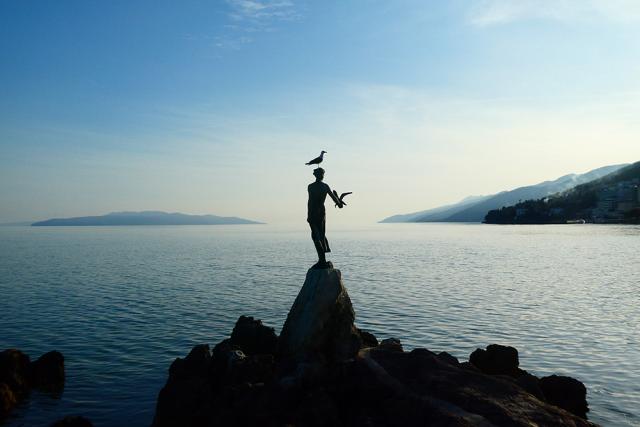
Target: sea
121,303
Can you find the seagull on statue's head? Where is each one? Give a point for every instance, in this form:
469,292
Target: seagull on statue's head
317,160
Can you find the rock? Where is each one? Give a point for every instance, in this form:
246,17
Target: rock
18,375
225,356
222,352
7,400
48,371
450,395
368,339
531,384
317,408
423,351
253,337
379,387
496,360
567,393
196,364
254,369
325,372
469,367
14,371
72,421
198,359
184,400
320,322
448,358
391,344
564,392
237,368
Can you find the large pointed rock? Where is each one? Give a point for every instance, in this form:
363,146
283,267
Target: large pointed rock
320,322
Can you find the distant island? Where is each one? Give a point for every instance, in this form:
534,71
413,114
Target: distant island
612,199
475,208
144,218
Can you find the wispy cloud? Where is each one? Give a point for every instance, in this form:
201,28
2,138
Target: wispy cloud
249,18
245,20
495,12
262,12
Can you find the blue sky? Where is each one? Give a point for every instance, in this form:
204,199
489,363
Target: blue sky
214,106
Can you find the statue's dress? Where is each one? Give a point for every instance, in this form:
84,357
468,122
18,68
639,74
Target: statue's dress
316,215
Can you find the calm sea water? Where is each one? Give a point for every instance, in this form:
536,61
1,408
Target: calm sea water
122,302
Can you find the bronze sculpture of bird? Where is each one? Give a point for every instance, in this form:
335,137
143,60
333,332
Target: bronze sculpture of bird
317,160
335,193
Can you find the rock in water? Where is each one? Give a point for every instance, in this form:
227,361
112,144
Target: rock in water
253,337
18,374
326,372
14,370
392,344
7,400
496,360
48,371
184,400
567,393
320,322
73,421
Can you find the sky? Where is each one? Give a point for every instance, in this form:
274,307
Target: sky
215,106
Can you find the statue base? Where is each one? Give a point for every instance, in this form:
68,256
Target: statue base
322,265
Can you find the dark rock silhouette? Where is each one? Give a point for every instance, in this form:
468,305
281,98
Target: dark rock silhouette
368,339
14,371
392,344
564,392
8,399
326,372
496,360
48,371
185,398
567,393
320,324
73,421
18,375
253,337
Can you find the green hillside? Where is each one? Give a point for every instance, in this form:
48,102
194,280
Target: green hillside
614,198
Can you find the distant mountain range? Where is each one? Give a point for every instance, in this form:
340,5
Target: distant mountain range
474,208
144,218
614,198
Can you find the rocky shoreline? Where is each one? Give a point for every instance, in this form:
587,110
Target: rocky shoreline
19,375
323,371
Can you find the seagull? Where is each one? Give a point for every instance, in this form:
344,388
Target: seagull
335,193
317,160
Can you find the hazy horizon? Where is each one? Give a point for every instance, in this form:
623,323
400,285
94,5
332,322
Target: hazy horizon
214,108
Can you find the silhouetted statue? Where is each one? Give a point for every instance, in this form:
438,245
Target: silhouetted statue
316,216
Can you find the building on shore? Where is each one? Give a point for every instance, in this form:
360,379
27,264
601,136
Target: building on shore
616,201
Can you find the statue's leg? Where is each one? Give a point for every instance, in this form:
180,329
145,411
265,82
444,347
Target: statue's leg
325,242
318,241
320,249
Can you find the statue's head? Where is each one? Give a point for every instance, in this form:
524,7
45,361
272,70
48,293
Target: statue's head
318,173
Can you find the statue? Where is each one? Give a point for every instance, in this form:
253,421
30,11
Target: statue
316,216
